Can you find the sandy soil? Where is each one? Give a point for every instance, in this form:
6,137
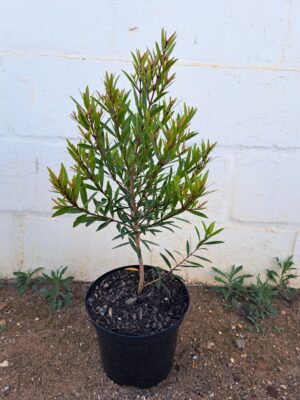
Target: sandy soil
55,356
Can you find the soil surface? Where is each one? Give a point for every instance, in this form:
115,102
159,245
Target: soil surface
218,356
114,303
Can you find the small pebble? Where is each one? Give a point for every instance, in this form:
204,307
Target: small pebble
131,301
4,364
240,343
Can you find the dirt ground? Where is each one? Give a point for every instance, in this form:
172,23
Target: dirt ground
55,356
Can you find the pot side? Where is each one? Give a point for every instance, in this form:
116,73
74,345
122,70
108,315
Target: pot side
136,360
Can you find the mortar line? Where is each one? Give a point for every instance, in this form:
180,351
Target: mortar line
231,223
60,139
184,63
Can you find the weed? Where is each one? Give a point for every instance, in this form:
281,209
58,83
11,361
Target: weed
281,279
256,301
58,289
25,280
261,299
277,329
233,289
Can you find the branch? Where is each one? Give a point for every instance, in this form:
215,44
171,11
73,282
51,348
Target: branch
209,233
60,189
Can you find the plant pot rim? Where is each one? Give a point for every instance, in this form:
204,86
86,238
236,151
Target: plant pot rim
128,335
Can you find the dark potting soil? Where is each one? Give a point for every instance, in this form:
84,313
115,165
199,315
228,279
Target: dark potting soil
115,305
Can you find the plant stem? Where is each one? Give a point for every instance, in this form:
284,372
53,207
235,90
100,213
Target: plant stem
170,271
137,233
141,264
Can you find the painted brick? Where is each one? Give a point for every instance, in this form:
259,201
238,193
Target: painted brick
50,243
24,178
37,93
219,183
291,50
26,187
267,187
245,108
11,244
216,32
238,64
53,242
252,247
297,259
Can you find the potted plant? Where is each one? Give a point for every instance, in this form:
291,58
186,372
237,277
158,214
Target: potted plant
134,168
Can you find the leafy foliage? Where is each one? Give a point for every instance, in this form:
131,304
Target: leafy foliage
262,301
133,166
281,279
58,289
26,280
257,301
233,289
191,259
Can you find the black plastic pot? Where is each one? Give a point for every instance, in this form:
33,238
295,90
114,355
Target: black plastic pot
142,360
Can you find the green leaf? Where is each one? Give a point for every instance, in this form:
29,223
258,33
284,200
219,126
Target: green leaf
198,213
170,254
101,174
63,176
187,247
104,225
79,220
121,245
83,195
66,210
218,279
218,271
145,244
236,270
165,260
202,258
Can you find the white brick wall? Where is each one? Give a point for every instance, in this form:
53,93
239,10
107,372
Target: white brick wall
239,63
